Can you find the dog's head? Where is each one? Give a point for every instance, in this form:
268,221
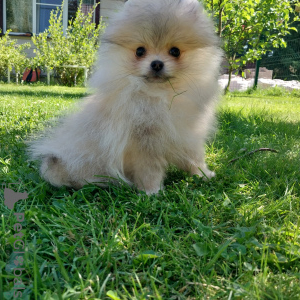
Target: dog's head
159,40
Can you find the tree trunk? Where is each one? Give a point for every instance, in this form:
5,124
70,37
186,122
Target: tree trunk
220,23
229,80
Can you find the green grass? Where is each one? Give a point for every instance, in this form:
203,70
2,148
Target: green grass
234,237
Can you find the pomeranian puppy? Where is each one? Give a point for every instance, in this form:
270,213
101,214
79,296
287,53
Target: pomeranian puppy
155,92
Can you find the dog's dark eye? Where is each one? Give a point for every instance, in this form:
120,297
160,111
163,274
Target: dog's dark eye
140,51
174,52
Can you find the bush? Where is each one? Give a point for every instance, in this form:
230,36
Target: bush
78,46
12,55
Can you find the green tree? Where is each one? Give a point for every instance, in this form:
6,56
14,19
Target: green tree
249,28
78,46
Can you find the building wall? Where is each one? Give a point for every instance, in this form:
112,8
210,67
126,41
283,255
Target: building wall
23,40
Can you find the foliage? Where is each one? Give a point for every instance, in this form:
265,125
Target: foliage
234,237
249,28
77,46
12,55
285,62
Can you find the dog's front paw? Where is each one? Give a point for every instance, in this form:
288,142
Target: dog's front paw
153,191
149,182
205,173
150,191
208,174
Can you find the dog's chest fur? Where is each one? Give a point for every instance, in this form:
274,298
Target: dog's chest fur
151,122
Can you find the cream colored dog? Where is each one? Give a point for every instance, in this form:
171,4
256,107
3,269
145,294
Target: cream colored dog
156,89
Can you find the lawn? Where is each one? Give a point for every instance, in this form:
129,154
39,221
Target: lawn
234,237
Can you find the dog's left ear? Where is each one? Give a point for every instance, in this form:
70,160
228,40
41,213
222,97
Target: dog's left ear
193,8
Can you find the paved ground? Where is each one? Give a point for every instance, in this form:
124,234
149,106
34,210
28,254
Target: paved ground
241,84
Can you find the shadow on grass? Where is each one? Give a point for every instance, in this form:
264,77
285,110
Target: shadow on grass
44,94
239,135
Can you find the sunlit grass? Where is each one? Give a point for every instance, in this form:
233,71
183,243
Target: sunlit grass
275,102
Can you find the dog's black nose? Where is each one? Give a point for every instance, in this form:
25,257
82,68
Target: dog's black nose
157,65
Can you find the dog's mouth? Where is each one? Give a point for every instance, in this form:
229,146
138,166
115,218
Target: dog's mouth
156,78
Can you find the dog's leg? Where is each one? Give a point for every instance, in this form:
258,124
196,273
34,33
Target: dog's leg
195,165
145,171
149,177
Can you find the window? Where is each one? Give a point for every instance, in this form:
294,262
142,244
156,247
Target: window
41,13
23,16
87,6
18,16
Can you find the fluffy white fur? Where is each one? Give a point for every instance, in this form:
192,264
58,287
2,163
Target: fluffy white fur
139,120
